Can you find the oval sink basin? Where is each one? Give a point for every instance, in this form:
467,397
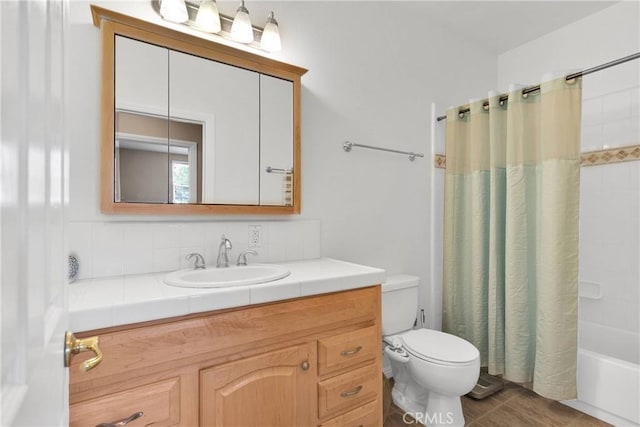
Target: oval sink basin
212,277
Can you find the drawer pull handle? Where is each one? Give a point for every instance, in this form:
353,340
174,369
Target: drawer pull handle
351,392
123,421
305,365
351,352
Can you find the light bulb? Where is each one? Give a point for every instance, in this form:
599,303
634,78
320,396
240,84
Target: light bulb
271,35
208,18
241,30
174,11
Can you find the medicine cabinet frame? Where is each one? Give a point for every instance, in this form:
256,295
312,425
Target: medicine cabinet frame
113,23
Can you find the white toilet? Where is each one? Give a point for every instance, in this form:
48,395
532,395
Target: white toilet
431,369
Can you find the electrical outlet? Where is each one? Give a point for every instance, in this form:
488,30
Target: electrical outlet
255,236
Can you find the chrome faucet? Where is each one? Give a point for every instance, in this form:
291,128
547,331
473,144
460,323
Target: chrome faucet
223,257
242,258
199,262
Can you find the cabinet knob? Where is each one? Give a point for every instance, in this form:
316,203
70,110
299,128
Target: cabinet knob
122,422
305,365
73,346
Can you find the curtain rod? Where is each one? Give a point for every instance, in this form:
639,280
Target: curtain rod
567,78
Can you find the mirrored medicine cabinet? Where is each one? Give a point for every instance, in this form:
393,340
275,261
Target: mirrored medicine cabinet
190,126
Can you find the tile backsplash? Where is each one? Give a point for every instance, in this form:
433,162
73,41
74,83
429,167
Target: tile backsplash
114,248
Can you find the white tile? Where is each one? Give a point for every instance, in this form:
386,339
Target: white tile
151,310
166,235
311,240
89,319
294,240
592,111
277,253
138,236
617,133
361,280
274,291
105,235
137,261
616,106
635,102
166,259
224,298
320,286
192,234
591,137
107,262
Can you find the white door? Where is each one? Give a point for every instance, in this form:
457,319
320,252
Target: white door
33,190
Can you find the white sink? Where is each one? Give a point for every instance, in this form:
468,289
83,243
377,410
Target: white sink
212,277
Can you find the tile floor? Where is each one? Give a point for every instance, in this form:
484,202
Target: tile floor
513,406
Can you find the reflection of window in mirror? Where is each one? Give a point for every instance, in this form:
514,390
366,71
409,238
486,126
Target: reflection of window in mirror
157,160
180,181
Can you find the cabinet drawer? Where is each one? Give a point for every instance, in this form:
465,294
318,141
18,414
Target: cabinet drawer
364,416
348,349
159,402
345,391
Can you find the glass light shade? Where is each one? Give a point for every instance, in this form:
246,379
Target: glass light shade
241,30
174,11
271,35
208,18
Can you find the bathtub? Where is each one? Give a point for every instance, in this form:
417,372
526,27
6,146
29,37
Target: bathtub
608,374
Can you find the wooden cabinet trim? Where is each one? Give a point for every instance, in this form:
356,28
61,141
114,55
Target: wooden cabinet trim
112,23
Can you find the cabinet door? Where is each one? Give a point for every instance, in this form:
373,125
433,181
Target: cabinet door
276,141
141,127
225,101
270,389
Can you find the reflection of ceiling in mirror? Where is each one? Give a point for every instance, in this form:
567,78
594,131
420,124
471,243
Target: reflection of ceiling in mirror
142,143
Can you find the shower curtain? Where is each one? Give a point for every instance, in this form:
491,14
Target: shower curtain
511,234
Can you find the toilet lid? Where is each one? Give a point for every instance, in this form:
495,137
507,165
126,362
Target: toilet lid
439,346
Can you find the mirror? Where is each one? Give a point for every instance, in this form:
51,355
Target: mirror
190,126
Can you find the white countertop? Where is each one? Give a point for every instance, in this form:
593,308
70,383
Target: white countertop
112,301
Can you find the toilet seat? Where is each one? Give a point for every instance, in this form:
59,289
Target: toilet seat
439,347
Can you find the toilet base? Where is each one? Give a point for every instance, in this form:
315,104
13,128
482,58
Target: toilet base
440,410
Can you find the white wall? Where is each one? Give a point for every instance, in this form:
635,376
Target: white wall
610,194
364,84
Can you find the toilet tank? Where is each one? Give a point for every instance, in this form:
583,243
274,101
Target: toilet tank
399,303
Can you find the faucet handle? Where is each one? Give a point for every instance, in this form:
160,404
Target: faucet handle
242,258
199,262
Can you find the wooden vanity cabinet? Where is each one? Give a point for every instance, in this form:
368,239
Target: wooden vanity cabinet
305,362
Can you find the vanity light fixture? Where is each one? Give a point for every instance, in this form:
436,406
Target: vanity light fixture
208,18
203,15
174,11
241,30
270,40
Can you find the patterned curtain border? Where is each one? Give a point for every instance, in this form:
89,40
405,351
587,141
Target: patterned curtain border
588,158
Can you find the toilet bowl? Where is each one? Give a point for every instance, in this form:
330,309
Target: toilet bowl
431,369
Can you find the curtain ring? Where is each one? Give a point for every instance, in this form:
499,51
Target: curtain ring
460,115
525,95
485,107
571,81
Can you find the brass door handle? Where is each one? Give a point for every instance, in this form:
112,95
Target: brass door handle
73,346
